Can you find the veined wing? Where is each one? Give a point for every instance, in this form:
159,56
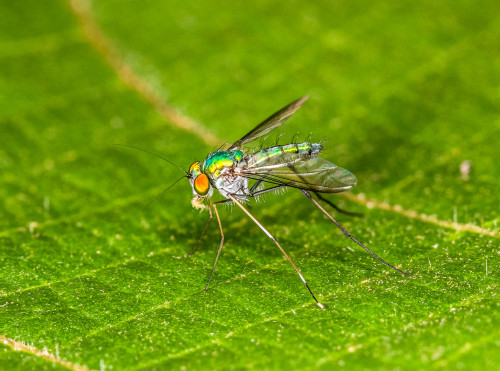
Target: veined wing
270,123
294,170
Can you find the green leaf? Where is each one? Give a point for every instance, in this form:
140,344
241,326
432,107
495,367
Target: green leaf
404,95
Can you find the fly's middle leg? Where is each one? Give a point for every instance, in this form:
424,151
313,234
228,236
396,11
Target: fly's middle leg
279,246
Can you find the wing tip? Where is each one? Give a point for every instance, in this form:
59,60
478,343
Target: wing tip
299,102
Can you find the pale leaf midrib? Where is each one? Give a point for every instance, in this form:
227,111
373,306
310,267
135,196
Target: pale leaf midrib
99,40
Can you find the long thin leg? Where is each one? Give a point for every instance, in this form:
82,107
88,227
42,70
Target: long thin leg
277,244
336,207
205,227
220,246
202,234
308,195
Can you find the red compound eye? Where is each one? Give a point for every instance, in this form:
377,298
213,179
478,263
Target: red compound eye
201,184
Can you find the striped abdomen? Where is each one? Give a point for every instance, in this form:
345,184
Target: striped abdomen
278,154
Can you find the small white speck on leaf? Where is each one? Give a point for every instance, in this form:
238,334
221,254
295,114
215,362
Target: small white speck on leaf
465,168
32,226
46,203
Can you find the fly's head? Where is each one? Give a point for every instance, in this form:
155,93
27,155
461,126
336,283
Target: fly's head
201,185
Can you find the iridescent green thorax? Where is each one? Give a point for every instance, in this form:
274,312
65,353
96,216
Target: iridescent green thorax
219,160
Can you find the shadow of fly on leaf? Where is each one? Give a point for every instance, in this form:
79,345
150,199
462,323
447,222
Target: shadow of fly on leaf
295,165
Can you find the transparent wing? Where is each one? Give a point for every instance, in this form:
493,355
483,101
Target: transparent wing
270,124
313,173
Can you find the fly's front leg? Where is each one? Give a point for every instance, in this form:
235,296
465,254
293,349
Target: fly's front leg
206,224
220,246
190,252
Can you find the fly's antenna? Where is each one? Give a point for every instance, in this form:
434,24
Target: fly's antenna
162,192
154,154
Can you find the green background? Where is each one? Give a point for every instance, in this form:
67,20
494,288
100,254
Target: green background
402,93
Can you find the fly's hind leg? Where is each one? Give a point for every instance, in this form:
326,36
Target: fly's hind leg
277,244
253,194
308,195
336,207
258,193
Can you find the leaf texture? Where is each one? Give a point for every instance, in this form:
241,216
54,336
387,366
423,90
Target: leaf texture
403,95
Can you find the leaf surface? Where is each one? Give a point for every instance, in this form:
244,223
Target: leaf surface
406,96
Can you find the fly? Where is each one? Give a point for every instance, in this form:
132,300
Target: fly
294,165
